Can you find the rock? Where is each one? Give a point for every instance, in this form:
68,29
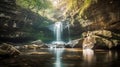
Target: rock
88,42
73,42
37,53
32,46
7,49
104,38
104,33
67,46
77,43
38,42
44,46
98,39
2,52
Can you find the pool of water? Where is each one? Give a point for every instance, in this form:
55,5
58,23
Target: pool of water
64,57
83,58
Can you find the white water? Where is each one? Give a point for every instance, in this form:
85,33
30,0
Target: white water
68,25
58,29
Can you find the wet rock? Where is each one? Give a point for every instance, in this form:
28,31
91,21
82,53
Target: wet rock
32,46
96,39
3,52
77,43
38,42
44,46
7,49
37,53
67,46
88,42
104,38
103,23
105,33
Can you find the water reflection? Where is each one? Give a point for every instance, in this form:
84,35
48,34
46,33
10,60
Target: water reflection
111,55
58,56
88,55
82,58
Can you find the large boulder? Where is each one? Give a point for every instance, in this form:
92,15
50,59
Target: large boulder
88,42
104,38
96,39
32,46
7,49
38,42
77,43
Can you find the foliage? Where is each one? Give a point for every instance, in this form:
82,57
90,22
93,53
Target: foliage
76,7
35,5
37,29
85,5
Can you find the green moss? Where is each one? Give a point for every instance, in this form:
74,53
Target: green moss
35,5
85,5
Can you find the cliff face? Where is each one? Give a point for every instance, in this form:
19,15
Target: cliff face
18,24
104,14
103,18
8,18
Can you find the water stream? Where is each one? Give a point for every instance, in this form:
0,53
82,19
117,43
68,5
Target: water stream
58,30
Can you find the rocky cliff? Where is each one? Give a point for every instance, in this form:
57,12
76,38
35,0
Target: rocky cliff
102,19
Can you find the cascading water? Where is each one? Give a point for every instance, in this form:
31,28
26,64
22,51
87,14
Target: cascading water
58,29
68,26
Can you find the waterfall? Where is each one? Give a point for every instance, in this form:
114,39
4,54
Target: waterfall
58,29
68,26
69,37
